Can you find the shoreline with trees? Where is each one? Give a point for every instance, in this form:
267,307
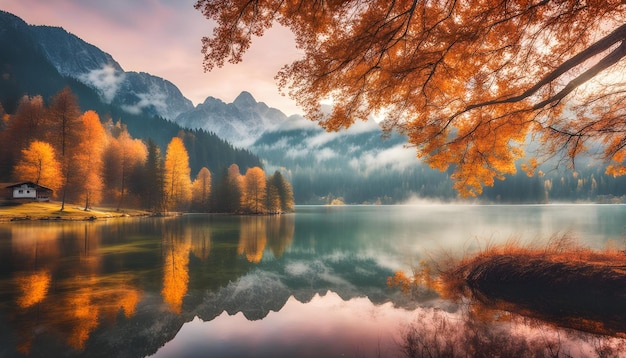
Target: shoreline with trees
98,163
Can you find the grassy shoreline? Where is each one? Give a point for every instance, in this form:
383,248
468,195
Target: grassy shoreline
33,210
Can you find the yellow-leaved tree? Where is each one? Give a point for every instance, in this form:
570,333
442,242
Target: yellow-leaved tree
64,131
253,191
90,154
122,160
468,82
177,181
201,190
38,164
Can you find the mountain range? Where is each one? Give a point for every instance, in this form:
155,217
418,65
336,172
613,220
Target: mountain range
42,60
352,166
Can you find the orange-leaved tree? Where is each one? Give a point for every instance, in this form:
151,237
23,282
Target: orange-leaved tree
64,130
38,164
90,154
122,160
467,81
254,191
177,180
233,189
201,190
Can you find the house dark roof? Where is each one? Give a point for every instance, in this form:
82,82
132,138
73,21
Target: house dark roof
13,185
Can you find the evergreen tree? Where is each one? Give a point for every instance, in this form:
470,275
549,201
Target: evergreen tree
152,195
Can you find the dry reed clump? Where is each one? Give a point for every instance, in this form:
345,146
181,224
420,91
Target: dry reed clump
562,263
562,282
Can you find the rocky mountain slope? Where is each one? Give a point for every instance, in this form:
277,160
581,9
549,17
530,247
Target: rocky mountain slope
39,60
135,92
242,122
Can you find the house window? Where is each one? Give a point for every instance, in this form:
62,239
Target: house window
27,191
21,191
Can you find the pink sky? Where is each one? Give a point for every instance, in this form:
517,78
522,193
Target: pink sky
163,38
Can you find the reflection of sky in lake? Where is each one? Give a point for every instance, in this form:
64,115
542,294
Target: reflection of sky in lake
326,326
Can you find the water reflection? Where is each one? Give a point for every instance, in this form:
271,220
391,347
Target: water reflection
252,238
326,326
68,280
519,302
66,298
479,331
176,248
255,231
32,287
260,284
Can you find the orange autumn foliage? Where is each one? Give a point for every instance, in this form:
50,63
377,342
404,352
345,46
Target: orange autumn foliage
201,190
253,191
177,181
466,81
39,164
91,150
176,272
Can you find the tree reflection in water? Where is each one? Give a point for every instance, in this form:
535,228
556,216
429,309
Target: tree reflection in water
70,299
252,238
74,281
176,248
256,231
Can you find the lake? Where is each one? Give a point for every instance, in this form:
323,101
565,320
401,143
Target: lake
308,284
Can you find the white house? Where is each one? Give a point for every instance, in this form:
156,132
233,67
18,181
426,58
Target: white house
27,190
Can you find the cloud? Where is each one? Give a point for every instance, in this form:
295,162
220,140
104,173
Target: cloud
296,122
146,100
395,158
298,152
107,80
324,154
320,139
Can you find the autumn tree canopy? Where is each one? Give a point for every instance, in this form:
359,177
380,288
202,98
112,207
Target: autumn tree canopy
90,153
467,81
201,190
38,164
254,191
177,182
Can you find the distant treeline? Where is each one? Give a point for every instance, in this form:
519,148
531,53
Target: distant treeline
587,183
360,168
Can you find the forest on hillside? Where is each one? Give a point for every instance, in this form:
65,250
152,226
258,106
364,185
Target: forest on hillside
89,161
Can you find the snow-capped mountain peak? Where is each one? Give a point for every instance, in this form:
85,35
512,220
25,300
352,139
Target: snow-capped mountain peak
242,122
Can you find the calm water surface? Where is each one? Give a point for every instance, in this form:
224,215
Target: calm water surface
311,283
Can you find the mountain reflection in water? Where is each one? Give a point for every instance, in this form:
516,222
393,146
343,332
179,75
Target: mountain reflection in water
125,288
312,283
